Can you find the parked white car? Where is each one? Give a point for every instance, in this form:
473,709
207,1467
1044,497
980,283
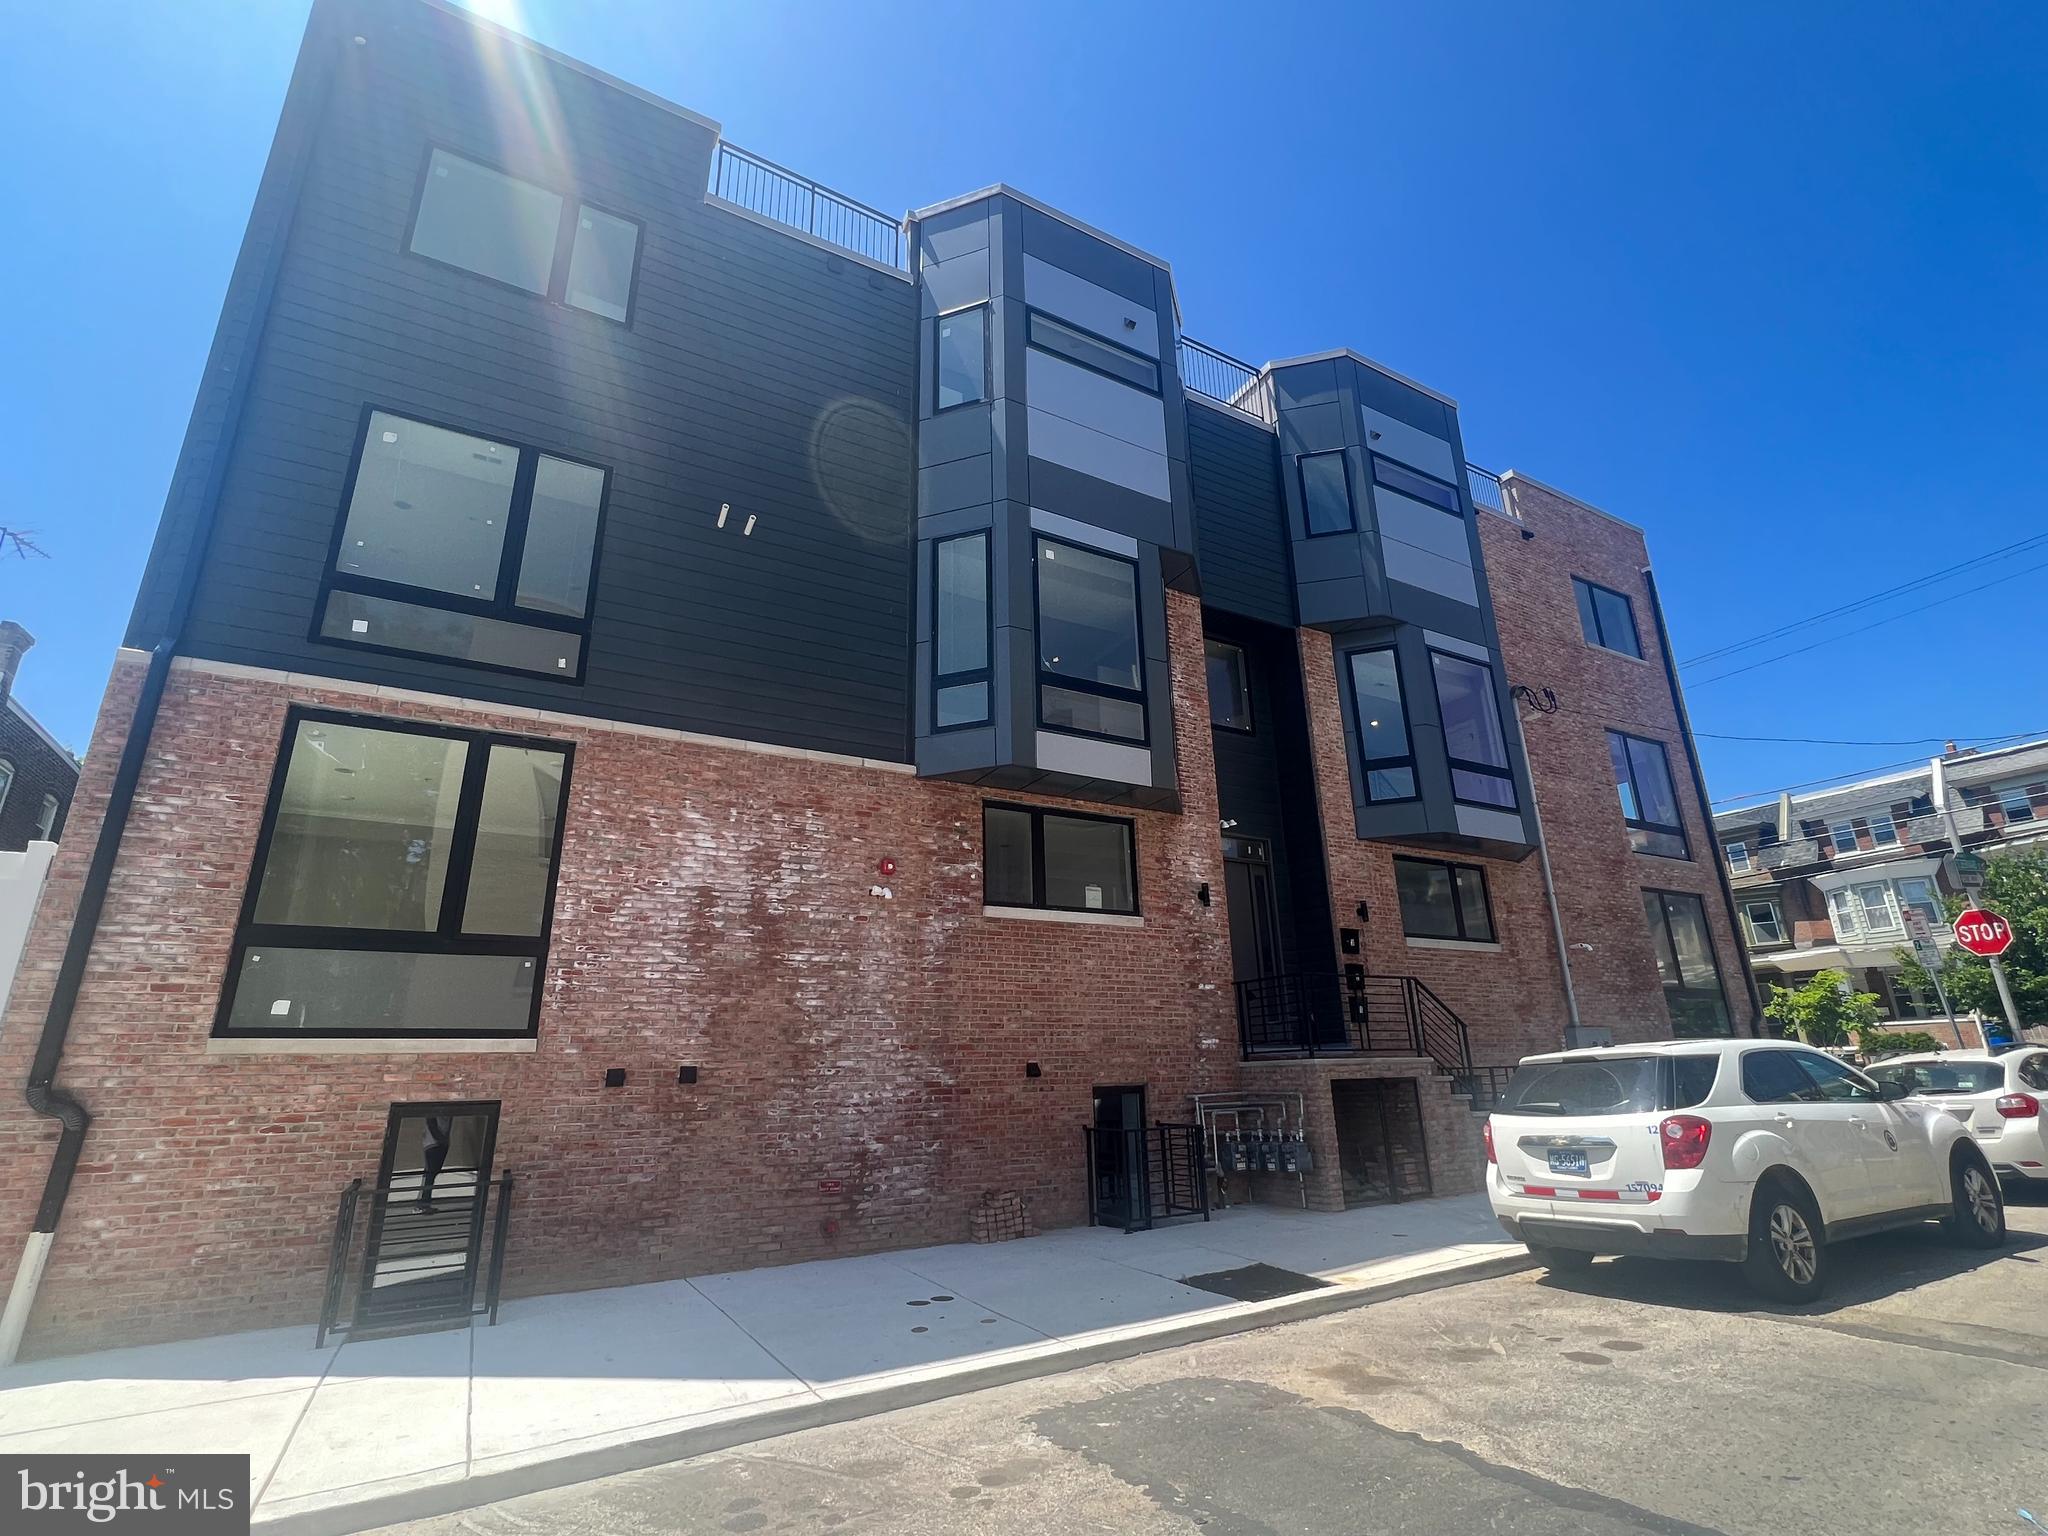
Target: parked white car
1761,1153
1998,1097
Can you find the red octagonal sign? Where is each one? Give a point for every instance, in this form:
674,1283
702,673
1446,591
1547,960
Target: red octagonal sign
1983,933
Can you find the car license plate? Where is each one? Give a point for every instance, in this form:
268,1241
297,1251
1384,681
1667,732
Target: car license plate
1569,1162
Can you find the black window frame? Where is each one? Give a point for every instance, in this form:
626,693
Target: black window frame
1144,374
987,361
1042,679
502,606
1244,678
1684,992
1585,596
1427,489
1038,815
1500,719
1639,823
573,203
1343,457
1366,765
1456,867
985,673
447,938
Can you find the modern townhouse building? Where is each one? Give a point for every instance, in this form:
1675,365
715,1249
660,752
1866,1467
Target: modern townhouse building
1830,880
38,774
795,733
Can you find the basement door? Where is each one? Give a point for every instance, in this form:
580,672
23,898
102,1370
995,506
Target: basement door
426,1216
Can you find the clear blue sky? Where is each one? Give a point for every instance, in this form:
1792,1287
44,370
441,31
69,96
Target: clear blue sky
1770,280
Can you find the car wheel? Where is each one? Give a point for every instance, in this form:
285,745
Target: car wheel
1560,1258
1977,1217
1788,1253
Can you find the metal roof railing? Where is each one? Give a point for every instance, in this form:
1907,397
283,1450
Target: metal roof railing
1486,492
1227,380
778,193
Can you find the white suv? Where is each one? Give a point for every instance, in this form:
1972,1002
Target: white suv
1757,1152
1998,1098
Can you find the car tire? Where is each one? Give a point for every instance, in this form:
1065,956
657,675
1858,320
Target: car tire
1560,1258
1977,1209
1788,1251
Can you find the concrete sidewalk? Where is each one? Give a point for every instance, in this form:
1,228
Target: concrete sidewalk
575,1386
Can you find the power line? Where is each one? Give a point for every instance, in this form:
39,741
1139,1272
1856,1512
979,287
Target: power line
1864,773
1918,583
1906,613
1837,741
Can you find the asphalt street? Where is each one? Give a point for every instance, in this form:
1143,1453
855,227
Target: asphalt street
1636,1397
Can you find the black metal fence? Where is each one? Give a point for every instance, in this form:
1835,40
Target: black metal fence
1485,1086
1325,1013
1137,1177
419,1260
778,193
1225,379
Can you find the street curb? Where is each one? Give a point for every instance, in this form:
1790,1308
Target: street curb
679,1445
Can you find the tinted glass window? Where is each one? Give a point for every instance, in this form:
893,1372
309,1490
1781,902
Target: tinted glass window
561,537
1230,700
1008,878
2033,1071
1087,615
1473,736
1615,1085
601,263
1049,335
1382,725
1773,1077
1943,1077
515,842
1836,1083
1421,487
429,508
1088,864
962,604
960,704
1607,618
1326,494
281,988
364,829
1068,709
360,619
1443,901
1649,804
493,224
1692,1079
961,366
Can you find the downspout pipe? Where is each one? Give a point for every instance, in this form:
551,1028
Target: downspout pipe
1699,788
256,272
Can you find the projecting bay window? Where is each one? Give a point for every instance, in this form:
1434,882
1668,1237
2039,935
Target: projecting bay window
960,647
1686,964
464,548
478,218
1474,741
1091,664
403,884
1384,752
1649,805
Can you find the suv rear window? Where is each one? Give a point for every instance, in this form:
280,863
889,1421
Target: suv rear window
1692,1079
1938,1077
1611,1085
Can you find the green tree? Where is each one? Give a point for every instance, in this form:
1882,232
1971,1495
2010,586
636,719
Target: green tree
2016,888
1822,1011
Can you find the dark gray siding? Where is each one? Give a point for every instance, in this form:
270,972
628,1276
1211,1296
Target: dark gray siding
760,371
1240,518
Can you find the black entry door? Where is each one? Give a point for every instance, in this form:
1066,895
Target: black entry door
1248,898
427,1216
1120,1188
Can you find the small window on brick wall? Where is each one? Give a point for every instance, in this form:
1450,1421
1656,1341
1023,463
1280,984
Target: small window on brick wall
1060,861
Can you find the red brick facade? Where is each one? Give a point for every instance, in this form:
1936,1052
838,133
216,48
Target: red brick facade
861,1058
1599,880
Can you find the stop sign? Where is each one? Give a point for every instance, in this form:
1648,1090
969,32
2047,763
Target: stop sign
1983,933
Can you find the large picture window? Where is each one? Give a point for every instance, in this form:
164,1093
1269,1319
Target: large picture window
1441,900
1649,804
465,548
1685,963
1474,741
481,220
1060,861
960,661
404,883
1091,664
1384,751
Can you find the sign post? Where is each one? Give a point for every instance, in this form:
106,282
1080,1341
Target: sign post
1985,933
1928,953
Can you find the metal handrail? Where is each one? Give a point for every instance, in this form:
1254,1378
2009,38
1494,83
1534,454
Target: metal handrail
1441,1033
1320,1013
1487,494
1227,380
776,192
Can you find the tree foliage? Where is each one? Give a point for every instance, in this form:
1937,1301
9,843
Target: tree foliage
2016,888
1822,1010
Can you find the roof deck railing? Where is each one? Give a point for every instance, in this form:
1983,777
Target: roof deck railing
778,193
1486,492
1226,380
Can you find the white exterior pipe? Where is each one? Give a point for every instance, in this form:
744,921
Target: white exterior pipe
21,1297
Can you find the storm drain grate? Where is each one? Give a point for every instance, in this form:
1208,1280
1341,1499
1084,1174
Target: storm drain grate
1255,1282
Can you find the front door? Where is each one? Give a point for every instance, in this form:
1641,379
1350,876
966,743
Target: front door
1120,1192
427,1216
1248,898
